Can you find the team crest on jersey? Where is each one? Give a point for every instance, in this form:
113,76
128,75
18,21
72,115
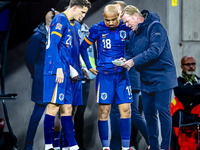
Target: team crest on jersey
104,96
79,33
61,96
59,26
122,34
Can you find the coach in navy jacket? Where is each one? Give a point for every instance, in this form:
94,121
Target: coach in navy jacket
150,53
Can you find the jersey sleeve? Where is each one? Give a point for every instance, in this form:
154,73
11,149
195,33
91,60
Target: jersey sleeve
88,40
57,28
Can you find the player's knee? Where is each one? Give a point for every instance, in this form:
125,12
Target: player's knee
103,114
52,109
66,110
126,113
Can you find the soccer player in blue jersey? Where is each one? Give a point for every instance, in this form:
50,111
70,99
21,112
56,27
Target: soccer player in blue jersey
82,73
113,84
57,89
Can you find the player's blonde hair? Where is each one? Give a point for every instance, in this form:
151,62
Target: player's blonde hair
130,10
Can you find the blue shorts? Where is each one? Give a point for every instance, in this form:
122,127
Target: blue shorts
114,88
57,93
77,93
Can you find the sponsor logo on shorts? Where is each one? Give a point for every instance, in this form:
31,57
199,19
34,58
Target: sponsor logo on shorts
104,96
61,96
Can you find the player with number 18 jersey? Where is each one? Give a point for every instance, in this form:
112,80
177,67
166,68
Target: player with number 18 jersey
112,81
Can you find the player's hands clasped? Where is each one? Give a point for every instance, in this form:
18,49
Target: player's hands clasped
94,71
59,75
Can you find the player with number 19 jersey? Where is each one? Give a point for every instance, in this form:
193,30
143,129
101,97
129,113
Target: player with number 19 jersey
110,45
58,54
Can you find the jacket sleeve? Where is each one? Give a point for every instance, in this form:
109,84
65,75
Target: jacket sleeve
129,53
186,90
158,38
32,52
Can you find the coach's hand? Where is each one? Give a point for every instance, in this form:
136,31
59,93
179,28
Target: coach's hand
128,64
123,59
94,71
59,75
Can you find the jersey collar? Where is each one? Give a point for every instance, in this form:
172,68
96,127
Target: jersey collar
69,20
115,26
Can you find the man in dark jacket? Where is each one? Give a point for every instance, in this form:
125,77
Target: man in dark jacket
150,53
188,90
34,60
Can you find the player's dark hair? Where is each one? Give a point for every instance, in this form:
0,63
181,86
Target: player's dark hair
80,3
62,5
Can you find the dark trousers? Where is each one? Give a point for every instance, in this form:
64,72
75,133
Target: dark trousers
158,102
79,115
33,124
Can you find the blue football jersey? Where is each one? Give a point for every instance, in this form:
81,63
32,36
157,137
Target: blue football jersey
110,45
58,49
76,38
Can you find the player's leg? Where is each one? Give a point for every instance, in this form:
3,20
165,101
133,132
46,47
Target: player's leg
54,95
57,132
115,141
125,124
49,118
150,112
163,101
124,98
104,111
105,95
68,126
66,117
33,124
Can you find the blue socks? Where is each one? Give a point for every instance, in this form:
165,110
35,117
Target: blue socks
48,128
125,130
103,132
56,138
64,140
68,128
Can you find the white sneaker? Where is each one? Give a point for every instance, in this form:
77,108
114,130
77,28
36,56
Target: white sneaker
75,147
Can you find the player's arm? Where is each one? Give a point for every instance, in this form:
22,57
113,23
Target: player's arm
56,33
88,40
